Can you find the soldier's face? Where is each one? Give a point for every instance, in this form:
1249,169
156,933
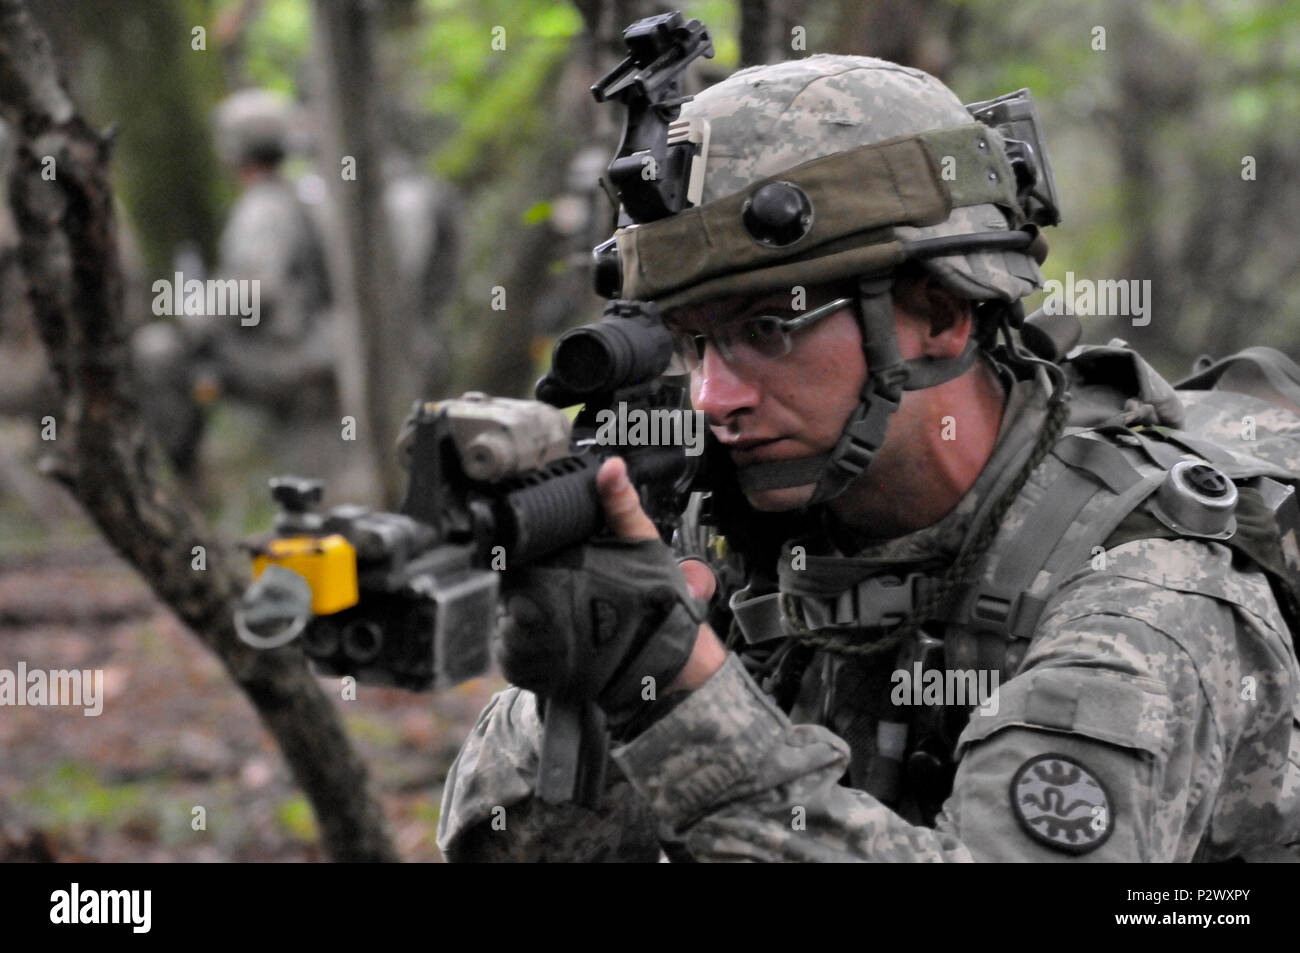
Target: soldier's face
784,408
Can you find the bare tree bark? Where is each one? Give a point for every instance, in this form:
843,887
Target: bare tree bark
69,255
168,174
755,32
1146,94
381,387
911,32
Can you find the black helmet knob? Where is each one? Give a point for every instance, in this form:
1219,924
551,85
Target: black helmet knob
778,214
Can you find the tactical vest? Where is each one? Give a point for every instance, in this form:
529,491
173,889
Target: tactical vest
1135,462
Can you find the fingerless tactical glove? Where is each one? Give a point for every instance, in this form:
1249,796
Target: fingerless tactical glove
610,621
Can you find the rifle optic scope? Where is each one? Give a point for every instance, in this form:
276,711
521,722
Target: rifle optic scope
629,345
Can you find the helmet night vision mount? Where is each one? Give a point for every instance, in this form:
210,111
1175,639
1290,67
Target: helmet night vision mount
659,167
1016,118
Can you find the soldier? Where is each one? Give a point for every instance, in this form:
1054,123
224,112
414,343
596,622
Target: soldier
285,362
910,505
281,359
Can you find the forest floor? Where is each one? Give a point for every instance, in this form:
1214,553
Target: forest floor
175,734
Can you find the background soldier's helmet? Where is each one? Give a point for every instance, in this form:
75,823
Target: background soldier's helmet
253,126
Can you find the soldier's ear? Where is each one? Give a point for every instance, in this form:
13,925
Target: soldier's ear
945,309
922,296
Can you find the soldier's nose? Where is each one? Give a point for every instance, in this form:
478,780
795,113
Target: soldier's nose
720,390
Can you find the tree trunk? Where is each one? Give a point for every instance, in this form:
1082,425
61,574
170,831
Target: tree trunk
911,32
377,386
69,255
167,173
755,32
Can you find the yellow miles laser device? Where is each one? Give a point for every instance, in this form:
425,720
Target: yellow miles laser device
328,563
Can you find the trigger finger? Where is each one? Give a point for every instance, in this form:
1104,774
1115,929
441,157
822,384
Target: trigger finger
700,580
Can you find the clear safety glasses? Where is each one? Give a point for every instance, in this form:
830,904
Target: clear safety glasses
758,338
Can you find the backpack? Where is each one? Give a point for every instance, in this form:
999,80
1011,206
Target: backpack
1238,417
1132,436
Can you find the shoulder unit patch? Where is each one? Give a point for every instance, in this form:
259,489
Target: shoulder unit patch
1062,804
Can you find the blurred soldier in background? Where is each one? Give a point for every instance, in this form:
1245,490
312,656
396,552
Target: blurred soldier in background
285,362
277,235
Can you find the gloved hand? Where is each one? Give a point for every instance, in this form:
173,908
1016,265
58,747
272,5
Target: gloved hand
593,622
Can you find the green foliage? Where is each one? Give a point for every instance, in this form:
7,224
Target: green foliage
428,812
276,44
373,731
1249,107
1044,80
164,168
296,818
537,213
486,93
722,19
1190,87
72,794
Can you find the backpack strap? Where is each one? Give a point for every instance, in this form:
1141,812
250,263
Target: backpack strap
1088,486
1100,499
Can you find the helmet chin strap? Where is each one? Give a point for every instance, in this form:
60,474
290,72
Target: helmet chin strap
864,432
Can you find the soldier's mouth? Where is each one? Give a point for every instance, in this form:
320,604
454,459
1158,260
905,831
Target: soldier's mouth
745,452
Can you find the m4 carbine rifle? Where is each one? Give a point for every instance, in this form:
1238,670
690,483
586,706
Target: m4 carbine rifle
410,598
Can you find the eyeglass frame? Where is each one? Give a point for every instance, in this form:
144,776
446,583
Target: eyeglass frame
787,327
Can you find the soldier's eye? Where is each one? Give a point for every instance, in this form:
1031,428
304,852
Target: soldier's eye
688,352
764,334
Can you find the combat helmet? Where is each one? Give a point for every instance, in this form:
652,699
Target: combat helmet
846,167
254,126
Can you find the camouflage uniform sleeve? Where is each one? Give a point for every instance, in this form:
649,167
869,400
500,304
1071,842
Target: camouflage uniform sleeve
489,812
1132,703
731,777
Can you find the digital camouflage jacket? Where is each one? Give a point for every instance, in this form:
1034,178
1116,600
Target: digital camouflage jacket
1150,715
